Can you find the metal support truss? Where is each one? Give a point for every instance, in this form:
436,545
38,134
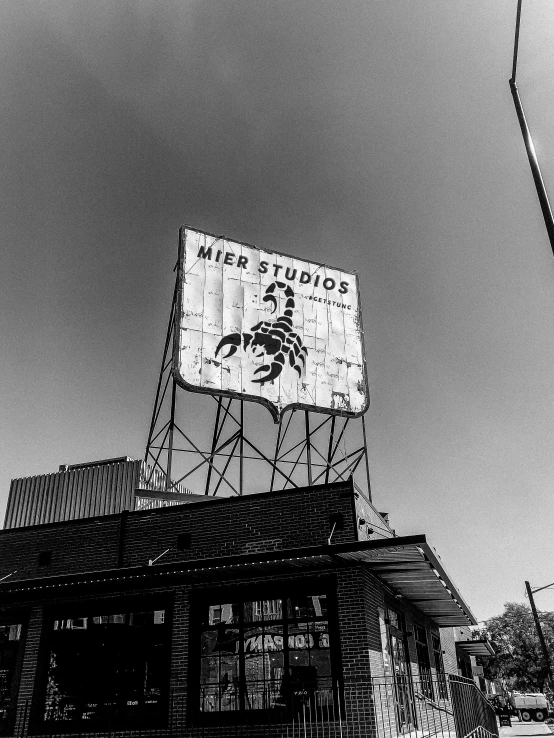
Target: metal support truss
244,454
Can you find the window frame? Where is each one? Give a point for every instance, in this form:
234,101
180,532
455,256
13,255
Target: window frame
436,645
15,617
405,706
283,589
89,608
423,661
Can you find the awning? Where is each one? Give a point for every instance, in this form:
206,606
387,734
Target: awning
410,567
407,565
475,648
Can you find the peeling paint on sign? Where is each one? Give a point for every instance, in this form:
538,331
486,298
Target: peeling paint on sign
267,327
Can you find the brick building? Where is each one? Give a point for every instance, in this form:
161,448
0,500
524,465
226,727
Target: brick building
267,609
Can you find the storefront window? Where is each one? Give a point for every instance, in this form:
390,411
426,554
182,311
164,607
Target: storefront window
257,654
423,662
107,666
10,639
439,667
403,689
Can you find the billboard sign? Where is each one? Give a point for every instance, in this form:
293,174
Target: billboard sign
262,326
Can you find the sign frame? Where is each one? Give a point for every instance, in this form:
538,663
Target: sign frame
277,412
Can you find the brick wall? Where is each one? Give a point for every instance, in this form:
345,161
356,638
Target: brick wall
217,528
83,545
449,636
222,527
239,525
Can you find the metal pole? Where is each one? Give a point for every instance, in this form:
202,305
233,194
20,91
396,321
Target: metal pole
241,448
170,327
366,461
545,653
516,40
329,450
277,449
214,446
171,429
308,448
531,154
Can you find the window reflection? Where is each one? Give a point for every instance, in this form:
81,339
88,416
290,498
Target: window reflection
276,648
312,606
227,613
263,610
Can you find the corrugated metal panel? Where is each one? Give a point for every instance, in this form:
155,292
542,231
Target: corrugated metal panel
99,488
41,496
40,499
14,497
69,507
18,512
29,493
21,496
50,496
96,493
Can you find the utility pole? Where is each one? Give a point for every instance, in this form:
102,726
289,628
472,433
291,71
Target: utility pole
545,653
528,141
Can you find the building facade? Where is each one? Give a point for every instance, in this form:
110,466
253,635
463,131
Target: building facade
263,612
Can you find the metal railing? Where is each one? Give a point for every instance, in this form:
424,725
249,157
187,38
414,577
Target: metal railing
401,707
474,715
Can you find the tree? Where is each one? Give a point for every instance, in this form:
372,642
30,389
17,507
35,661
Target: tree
519,659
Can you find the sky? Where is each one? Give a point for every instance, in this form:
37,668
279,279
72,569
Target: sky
372,135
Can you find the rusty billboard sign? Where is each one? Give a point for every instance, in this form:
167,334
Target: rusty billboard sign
262,326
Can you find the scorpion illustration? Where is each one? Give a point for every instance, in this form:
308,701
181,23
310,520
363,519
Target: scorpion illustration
274,338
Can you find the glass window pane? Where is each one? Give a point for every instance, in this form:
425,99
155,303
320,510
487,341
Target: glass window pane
214,616
320,633
254,667
209,698
226,613
308,606
208,642
299,637
276,667
229,697
321,661
10,633
273,638
272,609
254,697
229,670
227,640
251,613
254,673
263,610
302,674
274,692
209,670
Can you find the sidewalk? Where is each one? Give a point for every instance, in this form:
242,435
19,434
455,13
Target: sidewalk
524,729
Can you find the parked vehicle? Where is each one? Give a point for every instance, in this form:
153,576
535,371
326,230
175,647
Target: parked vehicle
529,706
